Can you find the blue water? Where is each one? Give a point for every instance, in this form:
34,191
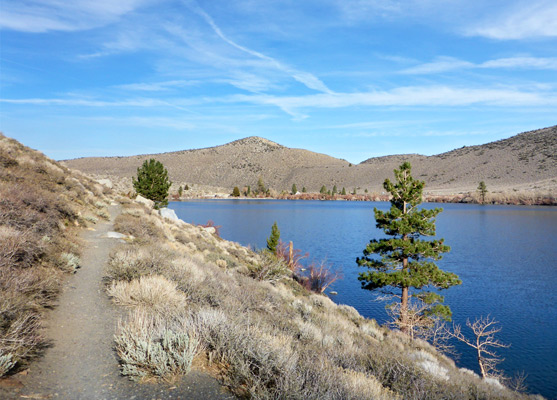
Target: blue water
506,257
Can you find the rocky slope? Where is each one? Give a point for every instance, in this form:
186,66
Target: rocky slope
524,162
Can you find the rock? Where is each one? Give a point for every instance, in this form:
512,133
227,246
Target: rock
115,235
169,214
105,182
142,200
210,230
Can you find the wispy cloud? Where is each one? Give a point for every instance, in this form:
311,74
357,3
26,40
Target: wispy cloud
446,64
306,78
54,15
410,96
158,86
531,19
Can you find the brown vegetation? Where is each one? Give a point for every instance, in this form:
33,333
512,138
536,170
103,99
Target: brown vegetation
40,202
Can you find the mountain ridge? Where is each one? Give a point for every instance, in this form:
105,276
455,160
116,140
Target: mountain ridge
526,161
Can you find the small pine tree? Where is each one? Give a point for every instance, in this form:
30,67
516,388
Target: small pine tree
236,191
273,240
482,189
248,192
406,262
294,189
343,192
180,191
334,190
152,182
304,190
260,186
365,191
187,187
323,189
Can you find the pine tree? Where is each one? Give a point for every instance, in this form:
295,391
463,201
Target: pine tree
482,188
334,190
405,268
236,191
294,189
304,190
180,191
152,182
260,186
273,240
323,189
343,192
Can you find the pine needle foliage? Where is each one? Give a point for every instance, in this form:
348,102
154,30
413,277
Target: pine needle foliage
152,182
273,240
403,264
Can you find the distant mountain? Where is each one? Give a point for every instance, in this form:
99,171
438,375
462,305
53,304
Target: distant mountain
526,161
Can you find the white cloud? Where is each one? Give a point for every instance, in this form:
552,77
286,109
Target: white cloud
54,15
532,19
445,64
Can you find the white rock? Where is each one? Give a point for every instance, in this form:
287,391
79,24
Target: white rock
105,182
169,214
115,235
142,200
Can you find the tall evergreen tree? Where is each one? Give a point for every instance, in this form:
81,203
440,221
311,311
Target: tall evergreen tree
323,189
294,189
273,240
152,182
334,190
402,265
343,191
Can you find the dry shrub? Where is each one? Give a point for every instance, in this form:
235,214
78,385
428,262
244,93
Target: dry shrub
141,227
18,248
318,276
150,346
270,268
154,293
127,263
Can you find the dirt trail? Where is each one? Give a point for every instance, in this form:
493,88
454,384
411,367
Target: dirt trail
81,364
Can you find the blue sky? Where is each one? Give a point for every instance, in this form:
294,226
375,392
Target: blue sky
353,79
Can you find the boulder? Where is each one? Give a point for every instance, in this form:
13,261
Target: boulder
105,182
169,214
142,200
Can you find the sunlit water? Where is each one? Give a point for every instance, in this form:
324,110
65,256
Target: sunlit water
506,257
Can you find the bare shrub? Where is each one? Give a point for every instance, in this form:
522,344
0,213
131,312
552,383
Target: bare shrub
484,343
151,347
318,277
18,248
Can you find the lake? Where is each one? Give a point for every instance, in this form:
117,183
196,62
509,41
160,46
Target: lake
506,257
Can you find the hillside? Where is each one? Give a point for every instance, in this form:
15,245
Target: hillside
527,161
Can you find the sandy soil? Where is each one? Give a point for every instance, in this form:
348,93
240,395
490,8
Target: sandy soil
81,362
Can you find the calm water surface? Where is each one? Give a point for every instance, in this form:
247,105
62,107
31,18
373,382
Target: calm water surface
506,257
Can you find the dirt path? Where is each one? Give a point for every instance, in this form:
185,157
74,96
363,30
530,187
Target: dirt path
81,364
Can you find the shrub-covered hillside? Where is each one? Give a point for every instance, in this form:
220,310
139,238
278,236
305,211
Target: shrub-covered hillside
268,337
42,204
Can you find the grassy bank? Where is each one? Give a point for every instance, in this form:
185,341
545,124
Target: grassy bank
193,297
42,207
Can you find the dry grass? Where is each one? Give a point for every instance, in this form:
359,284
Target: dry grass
40,203
271,338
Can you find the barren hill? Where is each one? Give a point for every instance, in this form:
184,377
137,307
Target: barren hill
527,161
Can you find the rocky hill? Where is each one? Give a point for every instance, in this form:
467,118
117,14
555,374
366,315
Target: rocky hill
524,162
